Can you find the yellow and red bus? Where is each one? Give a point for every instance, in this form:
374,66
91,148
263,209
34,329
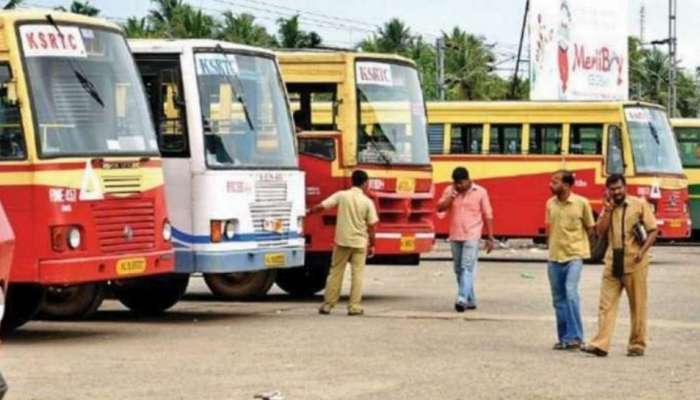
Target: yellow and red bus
80,173
512,148
360,110
687,132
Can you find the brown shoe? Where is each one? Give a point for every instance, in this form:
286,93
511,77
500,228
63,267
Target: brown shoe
635,352
356,311
325,309
594,350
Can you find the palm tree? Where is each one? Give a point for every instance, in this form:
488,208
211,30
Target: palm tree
162,16
242,28
84,8
469,66
138,28
189,23
292,36
395,37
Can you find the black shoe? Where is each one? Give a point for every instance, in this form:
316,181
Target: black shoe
460,307
471,307
594,350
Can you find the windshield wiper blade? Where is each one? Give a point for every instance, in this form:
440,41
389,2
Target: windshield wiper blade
85,83
654,133
239,91
377,150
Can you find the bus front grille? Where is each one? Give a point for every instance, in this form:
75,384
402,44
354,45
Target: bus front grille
122,185
271,191
125,225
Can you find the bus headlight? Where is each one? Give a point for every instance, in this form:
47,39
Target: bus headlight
230,229
74,238
167,231
300,225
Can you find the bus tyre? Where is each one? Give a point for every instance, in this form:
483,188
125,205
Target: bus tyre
21,305
152,295
598,247
72,302
307,280
240,285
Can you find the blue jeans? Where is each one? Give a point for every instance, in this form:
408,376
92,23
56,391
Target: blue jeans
465,256
563,279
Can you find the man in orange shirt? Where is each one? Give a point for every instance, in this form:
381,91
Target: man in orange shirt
468,206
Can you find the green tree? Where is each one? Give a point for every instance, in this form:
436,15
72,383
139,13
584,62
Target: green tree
12,4
470,68
241,28
290,35
189,23
138,28
82,7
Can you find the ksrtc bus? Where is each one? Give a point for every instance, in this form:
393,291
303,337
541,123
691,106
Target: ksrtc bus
687,132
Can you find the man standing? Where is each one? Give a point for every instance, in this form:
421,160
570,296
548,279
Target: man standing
631,228
569,221
468,206
354,241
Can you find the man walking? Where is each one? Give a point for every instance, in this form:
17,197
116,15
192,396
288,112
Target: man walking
569,221
630,226
354,241
468,206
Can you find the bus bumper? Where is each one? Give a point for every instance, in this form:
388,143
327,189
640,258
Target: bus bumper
70,271
397,243
674,228
189,261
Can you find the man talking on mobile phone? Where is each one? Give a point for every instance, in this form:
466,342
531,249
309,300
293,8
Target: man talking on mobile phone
353,242
630,226
469,207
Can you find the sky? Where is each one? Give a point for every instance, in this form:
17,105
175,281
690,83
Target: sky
345,22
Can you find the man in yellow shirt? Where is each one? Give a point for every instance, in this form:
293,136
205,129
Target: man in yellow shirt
630,226
353,242
569,221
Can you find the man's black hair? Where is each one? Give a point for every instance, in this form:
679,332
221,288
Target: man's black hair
615,178
359,177
460,174
566,176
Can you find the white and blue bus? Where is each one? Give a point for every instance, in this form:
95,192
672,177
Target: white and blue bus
234,190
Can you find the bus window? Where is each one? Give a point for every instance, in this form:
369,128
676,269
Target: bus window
689,145
466,139
161,77
545,139
436,138
586,139
11,141
505,139
615,160
318,147
311,105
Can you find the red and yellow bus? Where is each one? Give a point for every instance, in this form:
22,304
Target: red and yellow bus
80,173
360,110
687,132
512,148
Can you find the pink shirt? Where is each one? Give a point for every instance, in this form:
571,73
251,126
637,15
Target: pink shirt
467,213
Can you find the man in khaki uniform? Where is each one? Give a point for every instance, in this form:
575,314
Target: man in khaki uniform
626,266
354,241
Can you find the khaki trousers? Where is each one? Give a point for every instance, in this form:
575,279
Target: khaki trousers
341,257
635,284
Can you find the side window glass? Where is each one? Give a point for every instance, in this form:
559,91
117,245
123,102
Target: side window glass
466,139
11,139
545,139
314,106
505,139
161,78
318,147
615,163
436,138
586,139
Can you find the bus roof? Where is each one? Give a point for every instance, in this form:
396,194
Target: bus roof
179,45
13,16
533,105
334,56
685,122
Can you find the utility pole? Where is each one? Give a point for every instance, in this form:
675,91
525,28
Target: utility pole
672,42
514,85
642,22
440,67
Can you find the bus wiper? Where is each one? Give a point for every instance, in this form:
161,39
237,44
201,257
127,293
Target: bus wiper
239,91
654,133
85,83
377,149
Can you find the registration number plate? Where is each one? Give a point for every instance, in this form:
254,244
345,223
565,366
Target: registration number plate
405,185
675,223
273,260
131,266
273,225
408,243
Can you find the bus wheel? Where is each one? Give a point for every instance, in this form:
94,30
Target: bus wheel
21,305
307,280
240,285
72,302
152,295
598,247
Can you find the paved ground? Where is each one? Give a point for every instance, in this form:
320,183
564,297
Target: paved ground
410,345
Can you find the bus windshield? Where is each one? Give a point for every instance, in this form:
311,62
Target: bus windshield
244,112
392,120
653,146
87,96
689,145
